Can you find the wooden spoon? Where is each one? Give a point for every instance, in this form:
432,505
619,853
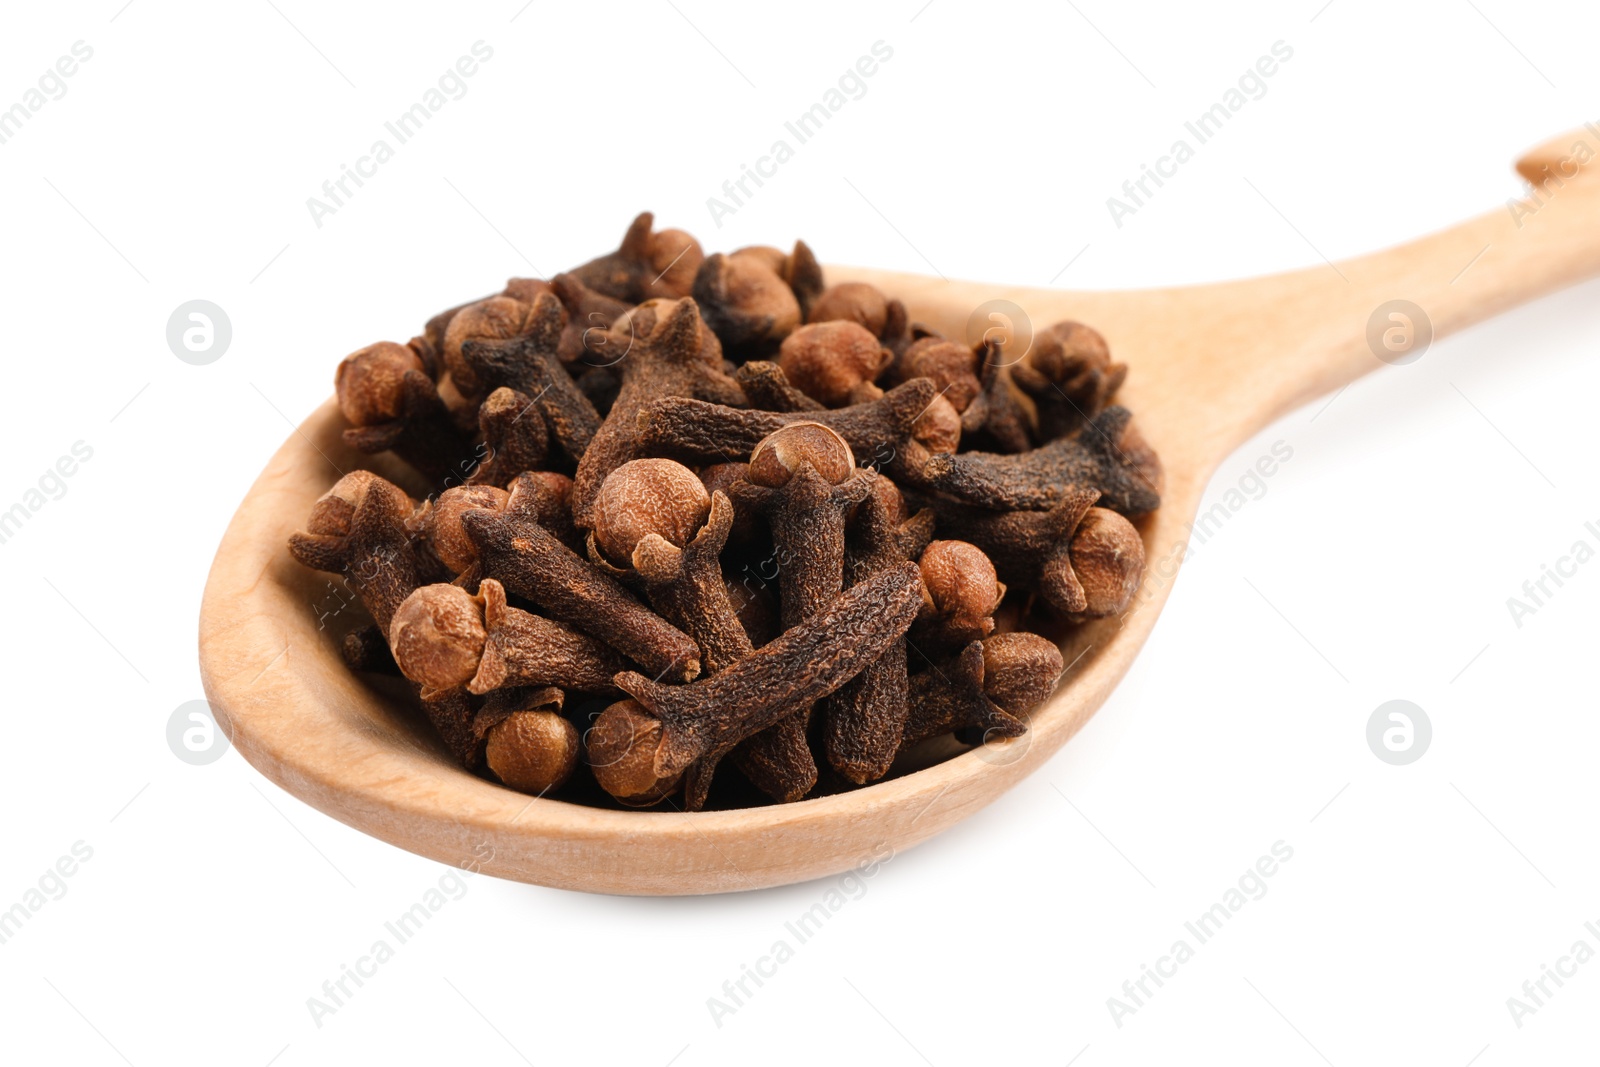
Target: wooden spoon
1210,365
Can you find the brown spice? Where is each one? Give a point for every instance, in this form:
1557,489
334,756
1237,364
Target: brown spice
393,405
747,303
621,750
893,432
677,357
702,721
862,722
530,363
1062,554
531,562
532,749
646,265
1107,455
835,363
514,437
647,496
655,517
965,694
768,388
443,637
862,304
960,595
1071,377
804,480
438,524
359,529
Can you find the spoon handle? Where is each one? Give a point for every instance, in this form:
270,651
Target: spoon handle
1319,329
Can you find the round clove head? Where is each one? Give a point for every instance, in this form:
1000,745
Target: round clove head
834,363
369,382
334,510
938,429
648,496
526,290
494,319
532,751
1067,349
437,636
622,753
1108,557
780,454
953,368
746,299
674,257
857,302
1019,670
766,255
440,527
960,590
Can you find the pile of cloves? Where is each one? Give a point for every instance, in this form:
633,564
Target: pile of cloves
678,510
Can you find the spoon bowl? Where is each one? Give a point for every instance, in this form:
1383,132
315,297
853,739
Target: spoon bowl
1210,365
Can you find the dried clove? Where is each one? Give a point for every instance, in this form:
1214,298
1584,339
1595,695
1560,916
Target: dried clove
1107,455
533,563
960,595
621,751
862,722
529,362
746,303
647,265
1004,424
897,432
985,690
1082,560
701,722
655,517
836,363
677,356
864,305
393,405
514,437
359,529
803,478
366,650
438,525
587,311
1070,375
443,637
768,388
528,744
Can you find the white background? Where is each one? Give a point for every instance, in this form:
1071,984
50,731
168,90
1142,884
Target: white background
1419,898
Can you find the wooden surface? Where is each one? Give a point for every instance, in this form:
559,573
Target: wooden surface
1209,366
